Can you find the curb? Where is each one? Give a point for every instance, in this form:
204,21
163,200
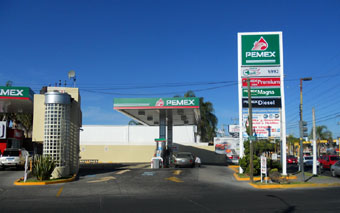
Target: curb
19,183
235,169
278,186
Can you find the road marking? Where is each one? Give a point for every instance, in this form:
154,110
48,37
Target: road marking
148,174
139,166
174,179
103,179
59,192
122,171
177,172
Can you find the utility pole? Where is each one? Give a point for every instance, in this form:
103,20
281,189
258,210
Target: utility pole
314,144
301,125
250,131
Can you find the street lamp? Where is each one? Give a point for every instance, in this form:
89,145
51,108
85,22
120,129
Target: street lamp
301,125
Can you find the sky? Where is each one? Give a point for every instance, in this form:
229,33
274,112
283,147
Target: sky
149,48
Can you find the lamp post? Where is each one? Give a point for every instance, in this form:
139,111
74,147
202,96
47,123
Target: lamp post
301,128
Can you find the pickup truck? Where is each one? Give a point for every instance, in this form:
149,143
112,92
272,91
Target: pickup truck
327,161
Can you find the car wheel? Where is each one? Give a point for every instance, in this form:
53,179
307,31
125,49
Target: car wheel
333,173
321,167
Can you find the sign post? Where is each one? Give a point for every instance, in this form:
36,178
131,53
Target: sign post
260,58
264,167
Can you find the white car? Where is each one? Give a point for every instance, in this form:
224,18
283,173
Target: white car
13,158
308,161
335,169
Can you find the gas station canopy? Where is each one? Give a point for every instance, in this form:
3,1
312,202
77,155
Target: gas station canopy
185,111
16,100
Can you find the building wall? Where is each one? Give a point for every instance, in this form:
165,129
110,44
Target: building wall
142,153
39,111
38,118
135,144
132,135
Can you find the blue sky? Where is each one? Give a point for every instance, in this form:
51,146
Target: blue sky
149,48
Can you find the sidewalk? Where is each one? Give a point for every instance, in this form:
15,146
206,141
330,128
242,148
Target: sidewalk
295,181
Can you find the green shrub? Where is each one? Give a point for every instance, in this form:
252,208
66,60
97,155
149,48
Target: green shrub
271,164
245,165
43,167
274,170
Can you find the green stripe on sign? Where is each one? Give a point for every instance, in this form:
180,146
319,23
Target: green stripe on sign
268,92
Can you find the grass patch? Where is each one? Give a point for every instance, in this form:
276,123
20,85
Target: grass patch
246,176
308,174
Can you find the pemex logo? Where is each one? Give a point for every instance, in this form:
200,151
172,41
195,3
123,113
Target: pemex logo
261,44
160,103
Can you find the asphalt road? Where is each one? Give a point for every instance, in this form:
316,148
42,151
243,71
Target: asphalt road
120,188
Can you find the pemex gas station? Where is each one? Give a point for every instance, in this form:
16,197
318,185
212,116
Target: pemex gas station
164,113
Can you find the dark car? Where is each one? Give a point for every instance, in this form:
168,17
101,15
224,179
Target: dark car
183,159
291,159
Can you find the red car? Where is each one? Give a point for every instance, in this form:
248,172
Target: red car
327,161
292,159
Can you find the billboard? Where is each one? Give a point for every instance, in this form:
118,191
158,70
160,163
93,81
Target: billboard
265,125
234,130
227,146
260,49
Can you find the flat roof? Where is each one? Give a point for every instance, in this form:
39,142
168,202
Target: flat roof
185,111
16,100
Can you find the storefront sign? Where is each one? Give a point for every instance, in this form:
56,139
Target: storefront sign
267,92
260,71
16,93
152,103
262,82
260,49
262,102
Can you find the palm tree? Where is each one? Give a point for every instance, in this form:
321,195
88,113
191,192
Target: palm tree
207,125
322,133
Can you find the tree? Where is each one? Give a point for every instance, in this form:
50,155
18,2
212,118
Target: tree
322,133
207,125
291,140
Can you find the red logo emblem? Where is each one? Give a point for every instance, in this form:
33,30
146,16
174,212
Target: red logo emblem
261,44
160,103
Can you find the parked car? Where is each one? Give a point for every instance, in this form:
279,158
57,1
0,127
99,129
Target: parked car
13,158
291,159
327,161
335,169
183,159
308,161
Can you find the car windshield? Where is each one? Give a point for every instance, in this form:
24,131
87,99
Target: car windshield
183,156
334,158
11,153
308,158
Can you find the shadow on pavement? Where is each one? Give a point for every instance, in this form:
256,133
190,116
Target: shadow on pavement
100,168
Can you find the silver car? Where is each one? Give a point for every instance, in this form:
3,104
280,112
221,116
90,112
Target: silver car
335,169
183,159
13,158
